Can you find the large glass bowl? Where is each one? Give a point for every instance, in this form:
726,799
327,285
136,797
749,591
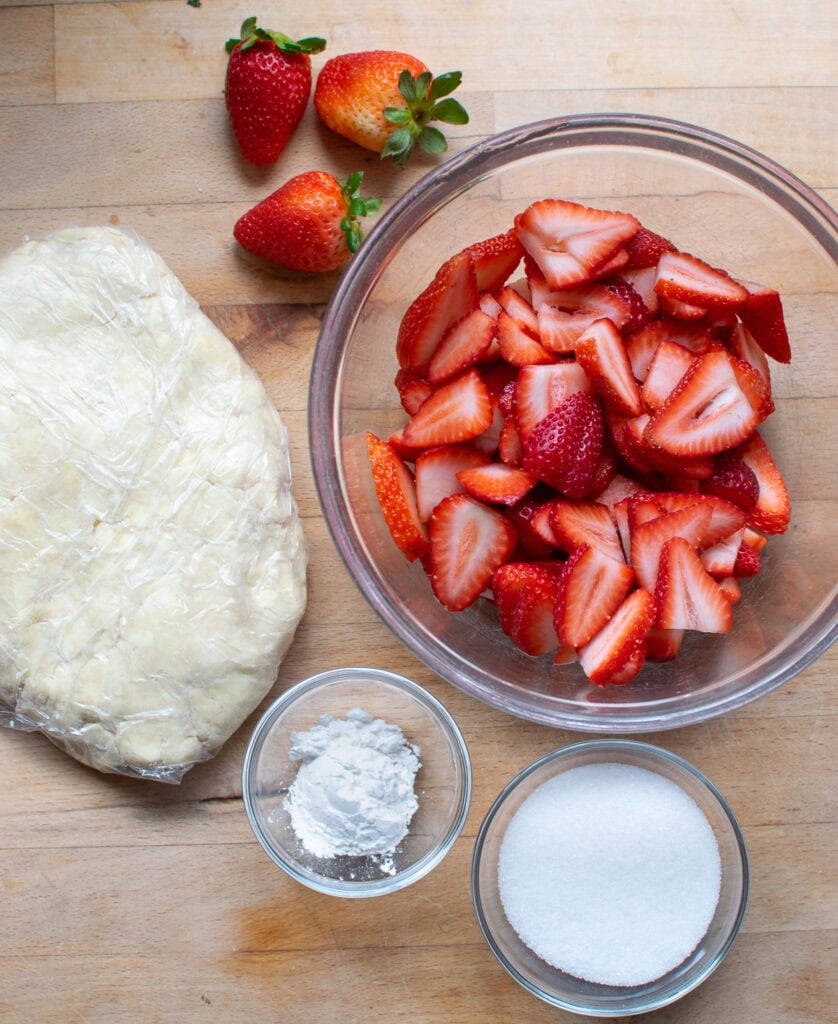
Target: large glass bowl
711,196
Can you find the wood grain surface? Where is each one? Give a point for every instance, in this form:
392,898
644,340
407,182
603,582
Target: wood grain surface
131,902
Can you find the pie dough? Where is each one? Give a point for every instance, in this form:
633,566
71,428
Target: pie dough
152,561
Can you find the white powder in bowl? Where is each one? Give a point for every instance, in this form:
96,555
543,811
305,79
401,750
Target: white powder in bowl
354,792
611,873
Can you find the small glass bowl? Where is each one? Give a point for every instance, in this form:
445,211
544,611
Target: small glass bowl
443,783
557,987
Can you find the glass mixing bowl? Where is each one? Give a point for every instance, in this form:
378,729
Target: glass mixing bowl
713,197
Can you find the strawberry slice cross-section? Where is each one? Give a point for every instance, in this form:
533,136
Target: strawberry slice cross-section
468,542
572,243
396,492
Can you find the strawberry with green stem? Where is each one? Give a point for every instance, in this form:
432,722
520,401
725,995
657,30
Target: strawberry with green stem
311,223
267,88
384,100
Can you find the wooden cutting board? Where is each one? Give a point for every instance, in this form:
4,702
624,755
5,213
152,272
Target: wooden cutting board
129,902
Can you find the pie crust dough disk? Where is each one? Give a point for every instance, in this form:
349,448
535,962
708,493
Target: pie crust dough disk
152,561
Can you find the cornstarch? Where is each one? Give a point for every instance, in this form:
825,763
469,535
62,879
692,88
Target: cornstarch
354,792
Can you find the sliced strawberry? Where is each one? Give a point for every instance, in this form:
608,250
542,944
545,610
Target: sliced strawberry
488,441
742,344
686,595
677,309
773,508
725,517
413,390
468,542
615,647
494,259
496,483
510,445
730,589
525,593
720,558
519,309
396,494
754,540
585,524
458,410
517,346
648,540
646,248
565,447
669,364
642,508
683,278
763,316
565,656
498,379
524,516
630,669
601,353
570,242
590,590
606,469
732,480
708,412
489,304
541,389
436,472
641,345
405,451
542,523
754,386
461,346
575,309
630,437
452,293
663,644
748,562
621,486
642,281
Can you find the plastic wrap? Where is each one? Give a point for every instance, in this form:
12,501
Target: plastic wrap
152,562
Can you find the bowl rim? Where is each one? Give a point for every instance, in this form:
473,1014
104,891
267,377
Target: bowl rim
446,724
817,633
608,746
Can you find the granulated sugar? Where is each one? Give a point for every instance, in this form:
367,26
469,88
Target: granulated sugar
611,873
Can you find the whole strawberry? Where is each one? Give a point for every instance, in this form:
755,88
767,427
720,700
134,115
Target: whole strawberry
384,100
268,86
310,223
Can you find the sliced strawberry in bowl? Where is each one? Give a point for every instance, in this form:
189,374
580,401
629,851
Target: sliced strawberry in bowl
541,389
734,480
601,353
525,593
708,412
496,483
462,345
468,542
396,494
763,316
591,588
435,471
685,279
569,242
565,447
772,512
448,298
494,259
615,648
586,524
686,595
458,410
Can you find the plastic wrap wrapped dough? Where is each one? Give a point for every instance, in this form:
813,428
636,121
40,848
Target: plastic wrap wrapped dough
152,563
